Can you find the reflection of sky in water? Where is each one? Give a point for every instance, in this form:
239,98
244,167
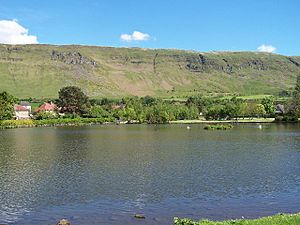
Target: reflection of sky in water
104,172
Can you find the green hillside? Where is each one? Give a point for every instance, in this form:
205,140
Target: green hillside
41,70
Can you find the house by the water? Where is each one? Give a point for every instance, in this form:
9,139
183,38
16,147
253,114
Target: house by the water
22,113
47,107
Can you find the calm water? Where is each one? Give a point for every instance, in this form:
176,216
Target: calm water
106,174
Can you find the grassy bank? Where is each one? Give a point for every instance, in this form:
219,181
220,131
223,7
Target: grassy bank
280,219
246,120
6,124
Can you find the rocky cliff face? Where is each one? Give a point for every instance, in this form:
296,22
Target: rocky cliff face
295,61
203,63
74,58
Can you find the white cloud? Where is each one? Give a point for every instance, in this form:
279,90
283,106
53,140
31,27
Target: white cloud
135,36
11,32
266,48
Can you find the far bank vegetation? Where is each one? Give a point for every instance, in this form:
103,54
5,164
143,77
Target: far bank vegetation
73,105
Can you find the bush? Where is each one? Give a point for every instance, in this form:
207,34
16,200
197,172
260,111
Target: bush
287,119
69,121
17,123
97,112
218,127
53,122
45,115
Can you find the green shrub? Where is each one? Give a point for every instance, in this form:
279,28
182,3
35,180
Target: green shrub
218,127
17,123
53,122
45,115
68,121
287,119
97,112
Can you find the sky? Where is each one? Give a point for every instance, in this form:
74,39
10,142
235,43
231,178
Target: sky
201,25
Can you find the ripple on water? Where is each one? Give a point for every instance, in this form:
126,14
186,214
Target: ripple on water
106,174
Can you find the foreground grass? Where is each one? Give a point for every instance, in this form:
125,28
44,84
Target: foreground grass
280,219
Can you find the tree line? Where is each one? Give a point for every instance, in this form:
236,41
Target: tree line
73,103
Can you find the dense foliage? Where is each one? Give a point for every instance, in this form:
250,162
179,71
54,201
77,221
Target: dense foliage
294,106
72,100
7,102
51,122
74,104
45,115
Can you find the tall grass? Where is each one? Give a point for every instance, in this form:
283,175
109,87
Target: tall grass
280,219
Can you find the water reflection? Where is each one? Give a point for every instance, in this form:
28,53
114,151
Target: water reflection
108,173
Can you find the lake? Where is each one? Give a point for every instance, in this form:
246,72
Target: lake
105,174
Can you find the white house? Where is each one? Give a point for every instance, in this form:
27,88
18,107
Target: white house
21,112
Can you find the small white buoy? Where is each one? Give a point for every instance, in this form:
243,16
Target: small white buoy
259,126
188,127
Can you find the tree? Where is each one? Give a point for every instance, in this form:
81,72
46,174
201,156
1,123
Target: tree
294,105
7,102
201,102
148,100
216,112
97,112
255,110
268,103
72,100
297,87
243,110
259,110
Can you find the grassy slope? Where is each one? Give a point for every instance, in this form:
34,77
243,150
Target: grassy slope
283,219
29,71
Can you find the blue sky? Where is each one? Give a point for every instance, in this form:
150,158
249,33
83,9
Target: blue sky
215,25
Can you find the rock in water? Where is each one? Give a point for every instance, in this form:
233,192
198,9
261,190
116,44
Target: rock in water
139,216
63,222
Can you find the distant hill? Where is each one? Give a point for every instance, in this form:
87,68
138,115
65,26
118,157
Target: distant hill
41,70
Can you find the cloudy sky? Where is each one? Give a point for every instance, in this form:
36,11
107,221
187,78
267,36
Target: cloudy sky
217,25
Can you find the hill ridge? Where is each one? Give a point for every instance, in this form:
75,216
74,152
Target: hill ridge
41,70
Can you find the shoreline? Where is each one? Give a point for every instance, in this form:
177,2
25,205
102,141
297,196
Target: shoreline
278,219
248,120
11,124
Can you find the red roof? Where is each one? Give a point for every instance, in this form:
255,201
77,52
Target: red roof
20,108
47,107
